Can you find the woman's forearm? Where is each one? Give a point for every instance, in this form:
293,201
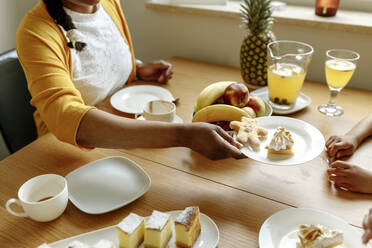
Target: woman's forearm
362,130
101,129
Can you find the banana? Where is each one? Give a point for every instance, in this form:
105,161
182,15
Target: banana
219,112
210,94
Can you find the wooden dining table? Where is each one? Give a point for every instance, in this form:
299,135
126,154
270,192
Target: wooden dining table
239,195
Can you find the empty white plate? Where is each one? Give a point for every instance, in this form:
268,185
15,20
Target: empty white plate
308,141
209,235
280,230
134,98
302,101
106,184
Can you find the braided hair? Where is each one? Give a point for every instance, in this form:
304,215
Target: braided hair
59,15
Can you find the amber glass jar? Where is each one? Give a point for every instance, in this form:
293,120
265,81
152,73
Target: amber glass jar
326,7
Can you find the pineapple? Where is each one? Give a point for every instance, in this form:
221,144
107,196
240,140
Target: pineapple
256,16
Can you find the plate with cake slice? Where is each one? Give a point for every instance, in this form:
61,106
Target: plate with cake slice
185,228
305,228
278,140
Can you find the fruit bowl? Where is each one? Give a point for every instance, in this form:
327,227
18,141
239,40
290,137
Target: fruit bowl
268,109
222,102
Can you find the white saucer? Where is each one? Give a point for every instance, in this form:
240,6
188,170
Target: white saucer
280,230
134,98
308,142
209,235
106,184
302,101
176,119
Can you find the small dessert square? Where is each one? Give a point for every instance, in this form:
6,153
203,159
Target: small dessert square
319,236
104,244
187,227
158,230
248,132
282,142
131,231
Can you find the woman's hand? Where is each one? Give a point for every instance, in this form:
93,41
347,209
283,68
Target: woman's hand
350,177
212,141
159,71
367,226
341,146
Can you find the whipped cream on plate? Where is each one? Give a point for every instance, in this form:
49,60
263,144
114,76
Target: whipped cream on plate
282,140
318,236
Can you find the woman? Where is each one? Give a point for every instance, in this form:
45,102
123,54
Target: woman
75,53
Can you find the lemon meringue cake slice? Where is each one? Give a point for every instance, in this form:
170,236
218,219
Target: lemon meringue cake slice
319,236
282,142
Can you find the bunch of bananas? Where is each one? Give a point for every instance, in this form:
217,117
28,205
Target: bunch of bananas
211,107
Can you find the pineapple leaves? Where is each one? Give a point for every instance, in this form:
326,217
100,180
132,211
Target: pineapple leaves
256,15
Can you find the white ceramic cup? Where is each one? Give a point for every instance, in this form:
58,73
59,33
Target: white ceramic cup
159,110
43,198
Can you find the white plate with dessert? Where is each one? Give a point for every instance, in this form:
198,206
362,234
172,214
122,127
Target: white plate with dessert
133,99
134,231
302,101
302,228
280,140
106,184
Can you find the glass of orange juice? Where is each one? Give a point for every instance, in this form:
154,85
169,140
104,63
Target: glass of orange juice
287,66
340,66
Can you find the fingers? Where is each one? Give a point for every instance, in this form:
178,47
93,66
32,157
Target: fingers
341,165
330,141
337,172
344,153
241,156
338,180
166,74
225,149
367,221
162,78
344,186
228,138
159,71
367,236
340,149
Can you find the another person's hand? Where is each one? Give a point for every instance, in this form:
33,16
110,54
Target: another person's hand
212,141
159,71
341,146
350,177
367,226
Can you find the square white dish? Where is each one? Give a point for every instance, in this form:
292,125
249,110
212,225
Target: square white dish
106,184
209,235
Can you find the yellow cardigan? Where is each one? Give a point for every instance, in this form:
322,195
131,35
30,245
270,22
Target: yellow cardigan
47,62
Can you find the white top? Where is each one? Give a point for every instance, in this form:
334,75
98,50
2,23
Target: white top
105,64
130,223
157,220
